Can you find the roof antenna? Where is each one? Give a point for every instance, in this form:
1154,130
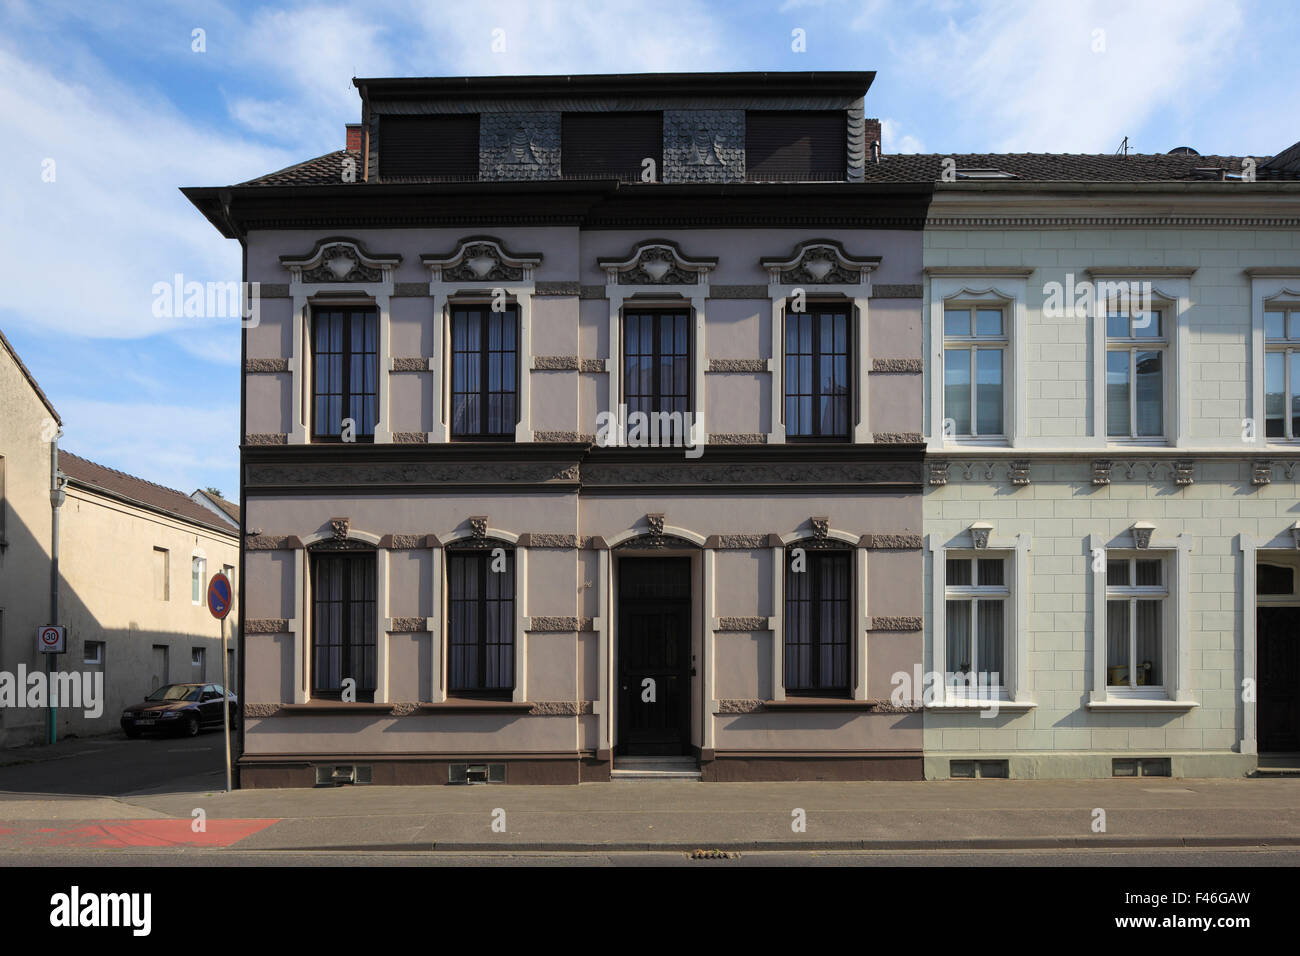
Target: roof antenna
1123,148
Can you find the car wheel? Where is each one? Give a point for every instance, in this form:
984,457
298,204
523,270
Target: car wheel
192,725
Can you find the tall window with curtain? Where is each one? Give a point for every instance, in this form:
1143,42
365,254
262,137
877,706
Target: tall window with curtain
818,365
818,621
344,626
1136,591
974,368
484,372
975,616
657,364
345,373
481,621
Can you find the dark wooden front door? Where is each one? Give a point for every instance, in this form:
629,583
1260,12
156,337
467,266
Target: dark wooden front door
654,656
1277,636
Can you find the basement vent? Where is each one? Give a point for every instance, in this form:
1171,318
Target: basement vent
1140,767
476,773
973,769
336,775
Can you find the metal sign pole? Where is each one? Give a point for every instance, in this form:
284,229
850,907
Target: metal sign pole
225,704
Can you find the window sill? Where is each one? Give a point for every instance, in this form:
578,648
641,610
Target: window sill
820,703
475,705
970,704
1140,704
317,707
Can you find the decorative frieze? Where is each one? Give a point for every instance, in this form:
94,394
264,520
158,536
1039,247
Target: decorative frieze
266,625
556,363
897,438
410,438
1261,471
655,522
410,474
821,527
266,438
1101,469
409,542
737,542
938,472
1020,472
1142,532
271,542
559,542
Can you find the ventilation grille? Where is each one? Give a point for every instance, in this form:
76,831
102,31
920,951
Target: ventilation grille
476,773
973,769
336,775
1140,767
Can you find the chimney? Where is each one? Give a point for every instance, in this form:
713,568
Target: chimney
871,129
354,137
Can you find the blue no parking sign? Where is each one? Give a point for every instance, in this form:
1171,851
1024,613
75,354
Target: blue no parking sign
219,596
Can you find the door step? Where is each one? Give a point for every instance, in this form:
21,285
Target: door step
1278,765
655,768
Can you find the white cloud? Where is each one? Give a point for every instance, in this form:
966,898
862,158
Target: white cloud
83,252
894,140
1024,76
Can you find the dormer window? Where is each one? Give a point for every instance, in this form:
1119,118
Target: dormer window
613,145
795,145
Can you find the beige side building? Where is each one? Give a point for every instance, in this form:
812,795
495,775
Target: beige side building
134,562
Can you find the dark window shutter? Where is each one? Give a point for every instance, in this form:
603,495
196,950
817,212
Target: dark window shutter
428,147
610,145
795,145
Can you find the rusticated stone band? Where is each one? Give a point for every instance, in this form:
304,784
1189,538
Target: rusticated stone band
742,624
891,542
560,625
410,438
266,625
738,438
740,706
266,438
412,363
260,710
267,365
898,365
592,365
896,624
561,708
896,438
737,365
408,625
556,363
886,290
548,436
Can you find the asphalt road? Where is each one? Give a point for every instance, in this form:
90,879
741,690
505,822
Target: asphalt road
1245,857
113,766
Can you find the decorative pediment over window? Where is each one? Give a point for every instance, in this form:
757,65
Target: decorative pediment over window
820,262
658,262
339,259
482,259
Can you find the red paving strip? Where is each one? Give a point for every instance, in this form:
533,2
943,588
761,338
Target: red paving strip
117,834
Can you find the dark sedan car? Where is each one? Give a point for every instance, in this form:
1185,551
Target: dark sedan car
181,709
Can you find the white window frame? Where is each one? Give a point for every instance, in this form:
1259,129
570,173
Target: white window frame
1268,285
1170,292
1014,692
1175,692
1131,345
1130,594
98,660
858,612
305,295
971,344
972,594
976,287
199,564
202,662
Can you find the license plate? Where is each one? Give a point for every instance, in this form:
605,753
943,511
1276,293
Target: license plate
147,722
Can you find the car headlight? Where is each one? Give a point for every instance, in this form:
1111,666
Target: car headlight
171,713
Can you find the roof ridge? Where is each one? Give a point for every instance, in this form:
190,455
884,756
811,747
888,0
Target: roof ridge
123,474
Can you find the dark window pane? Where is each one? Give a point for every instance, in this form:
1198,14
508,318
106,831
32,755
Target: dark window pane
343,623
818,631
480,620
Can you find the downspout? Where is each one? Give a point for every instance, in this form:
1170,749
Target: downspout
57,495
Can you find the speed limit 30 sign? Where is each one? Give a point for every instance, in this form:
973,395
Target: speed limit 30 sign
52,638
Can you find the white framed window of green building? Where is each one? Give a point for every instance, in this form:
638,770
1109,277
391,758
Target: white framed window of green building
976,340
977,615
1282,371
1137,373
1137,625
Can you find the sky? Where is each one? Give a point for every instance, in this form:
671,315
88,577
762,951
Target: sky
108,108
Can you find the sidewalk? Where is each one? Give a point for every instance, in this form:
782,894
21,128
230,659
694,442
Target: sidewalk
629,816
